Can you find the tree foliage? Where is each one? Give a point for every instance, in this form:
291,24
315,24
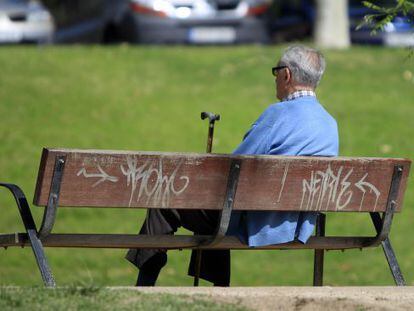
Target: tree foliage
384,15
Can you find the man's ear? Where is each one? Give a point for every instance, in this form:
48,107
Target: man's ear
288,76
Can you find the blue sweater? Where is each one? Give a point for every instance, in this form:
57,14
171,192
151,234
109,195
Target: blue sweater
299,127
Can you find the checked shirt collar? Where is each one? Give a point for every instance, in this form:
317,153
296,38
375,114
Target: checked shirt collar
298,94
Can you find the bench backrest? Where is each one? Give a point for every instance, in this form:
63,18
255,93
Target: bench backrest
102,178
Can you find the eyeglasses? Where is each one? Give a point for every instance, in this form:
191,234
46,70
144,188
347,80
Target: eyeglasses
276,69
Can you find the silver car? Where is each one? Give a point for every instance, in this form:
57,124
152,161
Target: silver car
25,21
199,21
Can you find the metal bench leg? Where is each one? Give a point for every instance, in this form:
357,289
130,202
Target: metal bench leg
389,252
41,259
393,263
319,253
30,226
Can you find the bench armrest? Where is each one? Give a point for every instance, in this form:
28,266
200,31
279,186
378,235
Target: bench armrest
22,205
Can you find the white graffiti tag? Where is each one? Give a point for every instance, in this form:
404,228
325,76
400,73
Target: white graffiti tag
361,185
102,175
282,184
326,187
148,173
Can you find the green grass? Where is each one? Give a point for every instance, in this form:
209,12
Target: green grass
94,298
150,98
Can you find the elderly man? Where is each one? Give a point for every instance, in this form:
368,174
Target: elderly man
298,125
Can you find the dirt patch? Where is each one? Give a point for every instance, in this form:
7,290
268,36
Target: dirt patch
301,298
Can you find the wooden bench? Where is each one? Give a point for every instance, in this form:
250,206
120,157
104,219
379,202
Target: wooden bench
100,178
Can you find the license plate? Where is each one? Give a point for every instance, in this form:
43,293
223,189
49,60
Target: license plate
399,39
212,35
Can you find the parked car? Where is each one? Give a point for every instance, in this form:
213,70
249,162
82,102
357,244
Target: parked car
25,21
198,21
87,21
290,20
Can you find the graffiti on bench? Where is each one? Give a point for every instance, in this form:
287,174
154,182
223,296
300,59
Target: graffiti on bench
327,187
145,179
324,189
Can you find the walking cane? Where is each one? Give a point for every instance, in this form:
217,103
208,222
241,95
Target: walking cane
212,119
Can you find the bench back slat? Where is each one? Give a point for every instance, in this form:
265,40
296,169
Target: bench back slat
103,178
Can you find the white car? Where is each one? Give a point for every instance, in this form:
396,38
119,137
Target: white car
199,21
24,21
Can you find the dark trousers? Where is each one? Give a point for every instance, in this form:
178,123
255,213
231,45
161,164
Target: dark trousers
215,264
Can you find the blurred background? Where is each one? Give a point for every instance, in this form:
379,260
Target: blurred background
135,75
196,22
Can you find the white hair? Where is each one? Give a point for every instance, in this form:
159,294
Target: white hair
306,64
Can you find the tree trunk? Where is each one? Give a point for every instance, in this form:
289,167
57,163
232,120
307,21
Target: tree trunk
332,24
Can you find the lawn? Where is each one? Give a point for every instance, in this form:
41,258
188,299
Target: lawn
150,98
95,298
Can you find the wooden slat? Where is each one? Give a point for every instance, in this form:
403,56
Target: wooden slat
125,241
99,178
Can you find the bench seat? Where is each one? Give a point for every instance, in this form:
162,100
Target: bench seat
125,241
